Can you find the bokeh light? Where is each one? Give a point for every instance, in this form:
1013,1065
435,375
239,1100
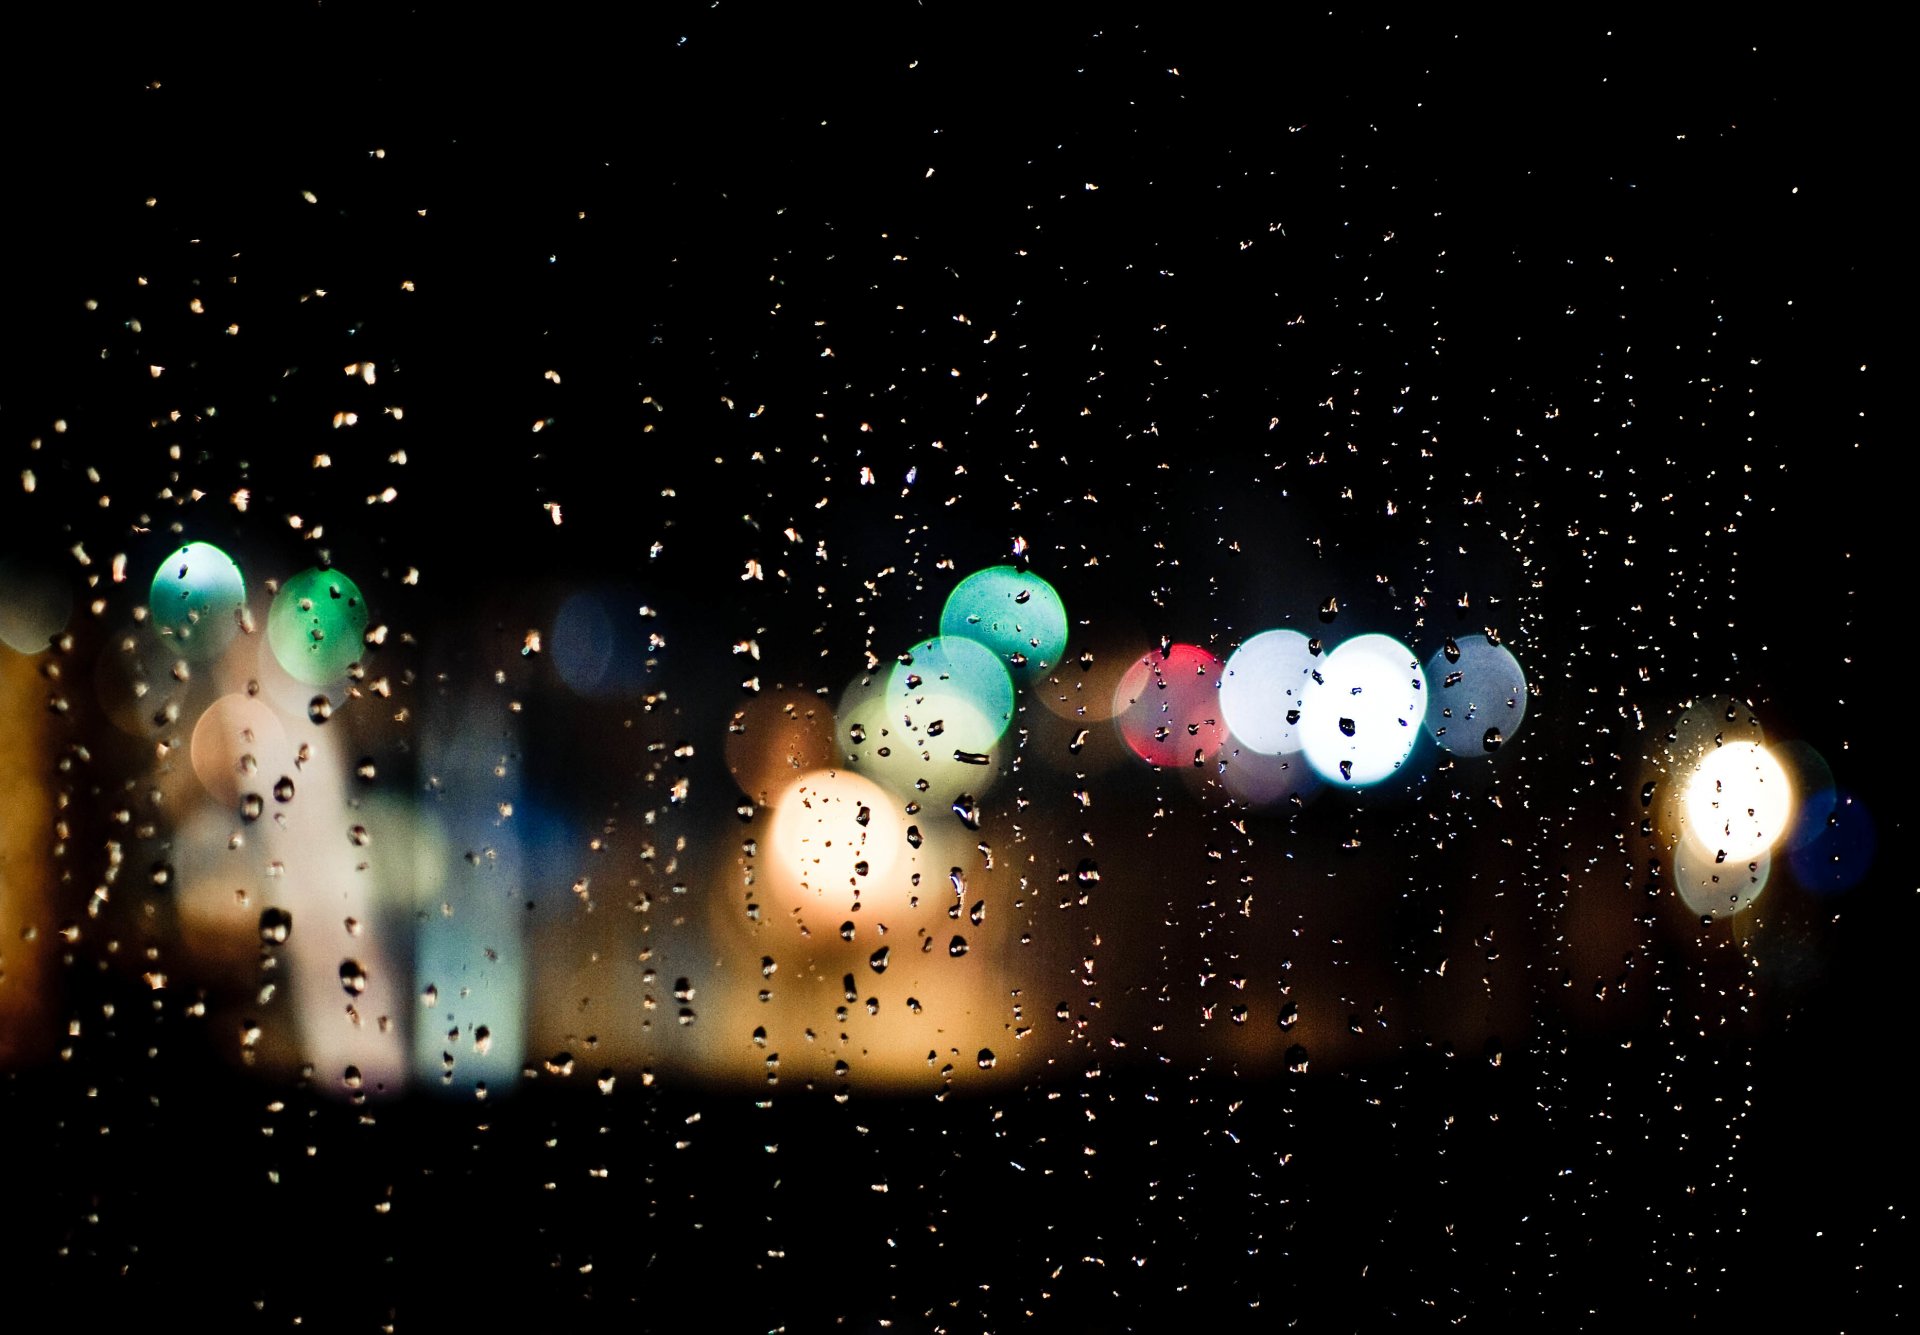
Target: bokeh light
930,727
943,673
1814,792
1260,779
1261,689
1711,888
35,602
1167,706
1359,718
1738,801
836,836
582,642
140,683
605,642
777,736
1014,613
235,743
198,599
1083,688
1477,696
315,625
1836,853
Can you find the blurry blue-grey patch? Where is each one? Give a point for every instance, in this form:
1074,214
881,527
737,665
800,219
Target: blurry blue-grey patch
606,642
1835,852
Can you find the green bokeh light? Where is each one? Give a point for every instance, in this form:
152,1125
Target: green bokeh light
198,598
316,625
1014,613
949,674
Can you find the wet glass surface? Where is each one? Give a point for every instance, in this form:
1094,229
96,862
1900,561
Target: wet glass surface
920,671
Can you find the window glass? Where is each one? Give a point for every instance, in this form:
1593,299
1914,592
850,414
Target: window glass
808,671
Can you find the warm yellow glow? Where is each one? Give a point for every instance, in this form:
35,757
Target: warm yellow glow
840,836
1739,801
776,737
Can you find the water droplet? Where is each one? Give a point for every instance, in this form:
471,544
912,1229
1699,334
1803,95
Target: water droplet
276,925
251,806
878,960
986,1059
319,709
957,947
360,836
353,978
1492,740
283,790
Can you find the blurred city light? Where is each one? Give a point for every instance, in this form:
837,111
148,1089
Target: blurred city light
1360,716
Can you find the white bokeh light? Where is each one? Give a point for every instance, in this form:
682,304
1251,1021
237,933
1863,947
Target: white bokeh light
1360,718
1739,801
1261,687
